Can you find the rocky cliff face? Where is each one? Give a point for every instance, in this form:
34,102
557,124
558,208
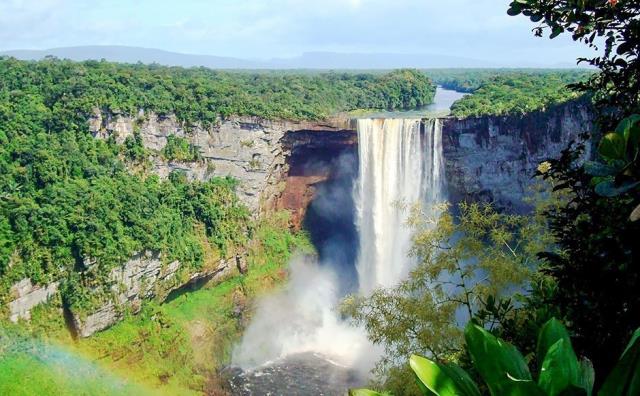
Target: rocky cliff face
26,295
493,158
277,163
487,158
142,277
249,149
311,160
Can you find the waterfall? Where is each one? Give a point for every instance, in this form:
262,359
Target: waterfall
400,165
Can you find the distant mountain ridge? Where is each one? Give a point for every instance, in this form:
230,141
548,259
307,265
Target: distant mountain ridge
309,60
133,55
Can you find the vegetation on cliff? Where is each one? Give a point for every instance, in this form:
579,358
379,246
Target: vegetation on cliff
513,93
68,204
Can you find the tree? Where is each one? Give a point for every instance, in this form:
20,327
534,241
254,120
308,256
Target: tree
505,371
472,267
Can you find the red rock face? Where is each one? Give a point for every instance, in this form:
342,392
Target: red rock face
310,161
297,195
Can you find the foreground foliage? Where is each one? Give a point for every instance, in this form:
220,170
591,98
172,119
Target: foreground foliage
610,27
505,371
596,232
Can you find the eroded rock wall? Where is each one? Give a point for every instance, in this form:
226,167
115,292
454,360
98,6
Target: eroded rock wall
143,277
248,149
25,296
494,158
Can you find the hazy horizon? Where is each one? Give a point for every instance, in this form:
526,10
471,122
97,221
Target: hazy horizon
309,60
257,30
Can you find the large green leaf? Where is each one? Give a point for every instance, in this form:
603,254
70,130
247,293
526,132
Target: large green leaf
624,380
425,391
635,215
608,188
443,379
599,169
560,369
632,137
495,360
629,129
552,332
612,146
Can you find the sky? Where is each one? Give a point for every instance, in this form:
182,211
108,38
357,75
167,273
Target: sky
265,29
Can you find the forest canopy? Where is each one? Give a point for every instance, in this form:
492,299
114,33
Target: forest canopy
512,93
204,95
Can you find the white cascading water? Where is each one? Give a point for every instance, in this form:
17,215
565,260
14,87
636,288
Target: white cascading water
400,163
399,166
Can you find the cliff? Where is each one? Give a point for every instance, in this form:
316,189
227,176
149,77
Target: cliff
278,165
249,149
493,158
252,150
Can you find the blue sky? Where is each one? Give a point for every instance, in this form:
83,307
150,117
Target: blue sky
264,29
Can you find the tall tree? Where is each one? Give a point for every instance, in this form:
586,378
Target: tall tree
597,271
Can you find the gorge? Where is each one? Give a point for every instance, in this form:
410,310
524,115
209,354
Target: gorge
207,227
280,164
297,343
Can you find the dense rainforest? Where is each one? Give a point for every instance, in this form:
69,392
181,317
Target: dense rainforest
512,92
204,95
72,208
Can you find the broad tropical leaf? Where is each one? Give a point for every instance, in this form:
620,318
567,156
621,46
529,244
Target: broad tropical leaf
495,360
587,375
443,379
612,146
608,188
625,126
624,380
552,332
560,369
635,215
512,387
599,169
